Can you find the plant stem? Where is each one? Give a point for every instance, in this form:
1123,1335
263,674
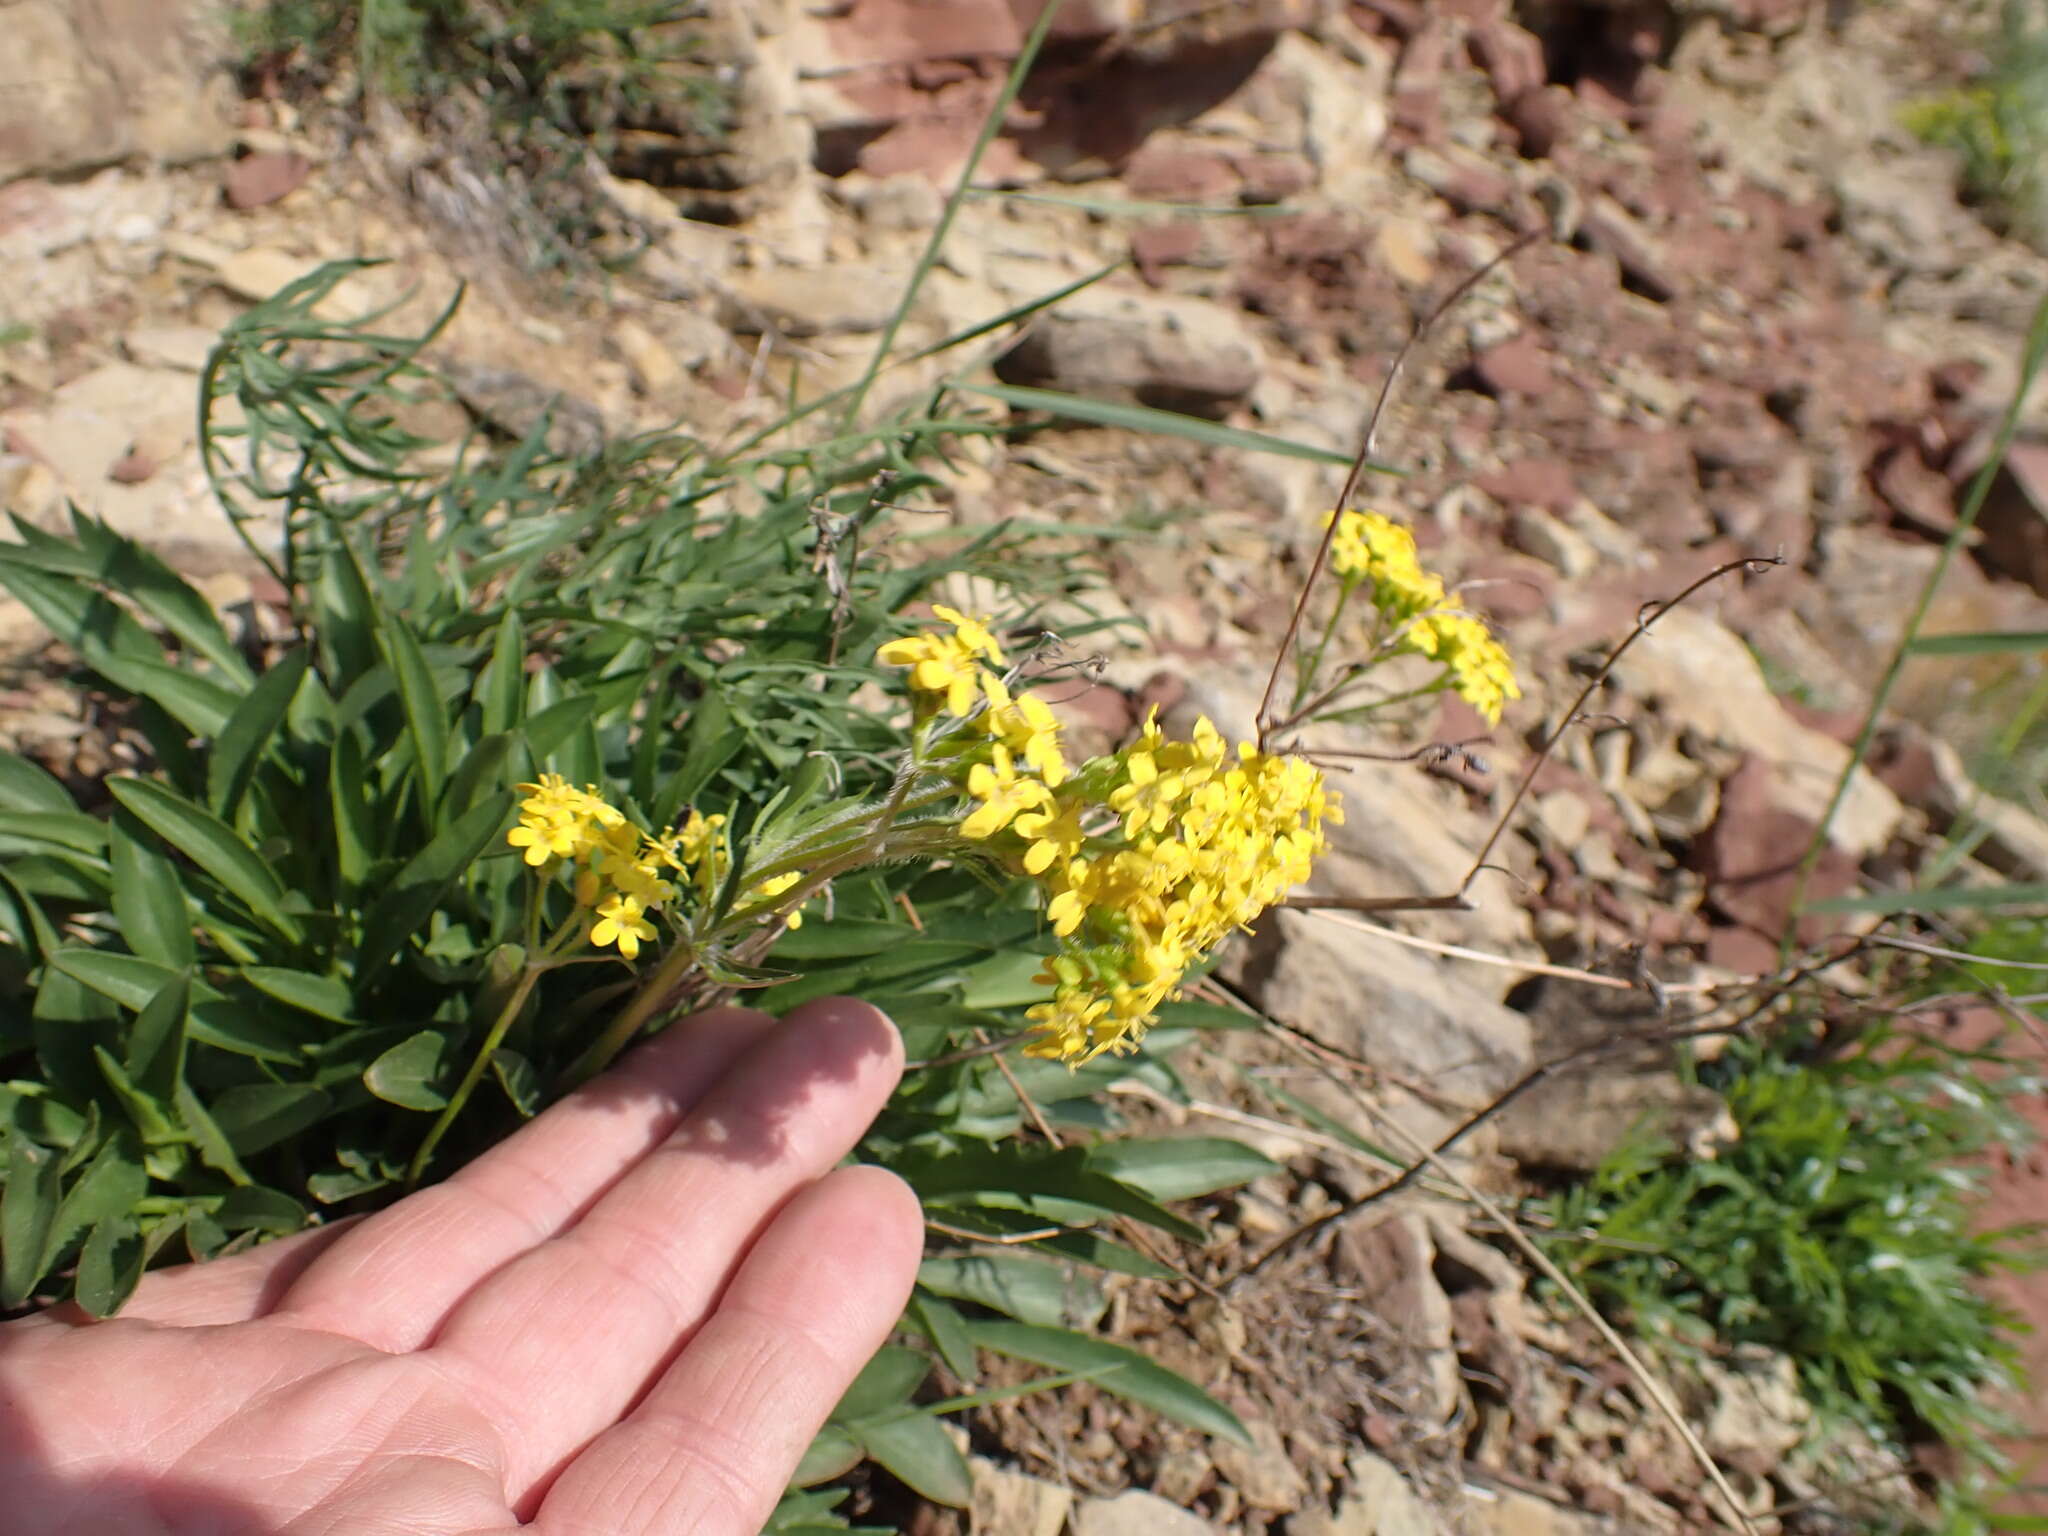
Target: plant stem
1306,682
528,975
619,1033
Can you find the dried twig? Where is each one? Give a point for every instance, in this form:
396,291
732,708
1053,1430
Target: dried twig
1265,722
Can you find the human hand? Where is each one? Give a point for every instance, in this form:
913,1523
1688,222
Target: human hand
629,1317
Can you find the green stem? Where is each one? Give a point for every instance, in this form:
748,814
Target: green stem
602,1051
1306,682
990,127
530,974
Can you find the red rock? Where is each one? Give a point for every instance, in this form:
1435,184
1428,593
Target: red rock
2014,521
1542,118
871,32
1164,174
1155,247
1903,762
1273,178
1518,366
1751,857
132,468
1921,496
1532,483
1957,379
1608,227
255,180
1511,56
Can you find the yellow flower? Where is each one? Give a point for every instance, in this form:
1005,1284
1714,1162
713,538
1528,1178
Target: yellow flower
945,667
1054,836
1026,726
773,887
1002,793
557,821
1371,548
1481,671
621,920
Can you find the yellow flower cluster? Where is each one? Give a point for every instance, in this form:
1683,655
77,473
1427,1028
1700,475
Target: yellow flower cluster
622,876
1149,856
1373,550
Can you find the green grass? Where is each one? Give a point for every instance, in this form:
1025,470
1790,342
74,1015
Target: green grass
1838,1230
1998,123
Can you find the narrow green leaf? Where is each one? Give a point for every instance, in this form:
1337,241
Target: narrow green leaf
833,1452
1180,1168
153,1121
110,1267
1146,420
155,1057
1115,1369
252,1208
405,1075
426,716
70,831
947,1329
350,806
1979,643
25,786
1018,1173
1028,1289
28,1210
207,1136
501,689
254,1116
478,774
325,997
199,704
84,620
132,981
214,846
917,1451
148,897
420,885
110,1187
1977,898
140,576
247,734
884,1385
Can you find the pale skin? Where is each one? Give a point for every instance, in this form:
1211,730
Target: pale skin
626,1319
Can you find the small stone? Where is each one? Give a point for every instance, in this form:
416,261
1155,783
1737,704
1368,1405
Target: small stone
1406,248
1379,1502
655,370
1520,366
1264,1476
258,179
1608,227
259,272
1467,182
845,299
1542,118
1550,539
1185,354
183,347
132,468
1532,483
1006,1500
1137,1514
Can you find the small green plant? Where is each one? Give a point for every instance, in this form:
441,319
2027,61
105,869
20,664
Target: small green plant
1837,1230
1998,123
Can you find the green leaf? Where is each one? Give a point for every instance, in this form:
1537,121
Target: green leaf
145,580
884,1384
1016,1173
246,736
28,1211
915,1448
477,775
1180,1168
87,622
111,1186
155,1123
253,1208
501,689
426,717
549,729
55,831
405,1074
1028,1289
420,886
213,845
1115,1369
350,809
24,786
1947,898
207,1136
325,997
1146,420
1979,643
833,1452
216,1020
155,1057
148,898
110,1267
947,1329
254,1116
199,704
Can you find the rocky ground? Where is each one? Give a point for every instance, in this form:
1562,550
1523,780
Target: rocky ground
1755,321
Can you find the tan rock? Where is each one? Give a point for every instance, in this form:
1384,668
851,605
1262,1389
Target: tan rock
1137,1514
1007,1503
1184,354
94,81
654,368
1264,1474
1378,1502
799,301
259,272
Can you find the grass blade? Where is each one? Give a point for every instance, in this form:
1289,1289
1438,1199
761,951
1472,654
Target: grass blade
1145,418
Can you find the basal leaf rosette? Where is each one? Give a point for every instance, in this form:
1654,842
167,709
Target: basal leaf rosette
1149,856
